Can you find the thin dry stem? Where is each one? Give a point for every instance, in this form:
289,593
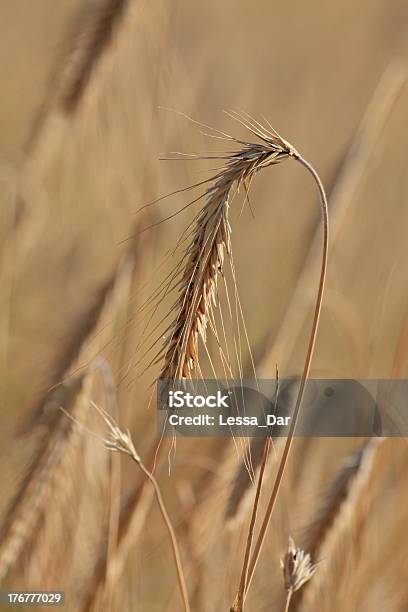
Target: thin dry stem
288,600
203,263
133,514
244,574
353,168
306,370
122,442
90,41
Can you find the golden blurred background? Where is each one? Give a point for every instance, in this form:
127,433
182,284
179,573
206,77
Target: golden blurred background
93,92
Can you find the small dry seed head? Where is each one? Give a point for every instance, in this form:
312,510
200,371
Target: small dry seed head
297,567
118,440
121,441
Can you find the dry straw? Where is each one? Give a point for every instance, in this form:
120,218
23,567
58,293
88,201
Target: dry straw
121,441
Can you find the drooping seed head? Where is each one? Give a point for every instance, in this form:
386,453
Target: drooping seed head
203,260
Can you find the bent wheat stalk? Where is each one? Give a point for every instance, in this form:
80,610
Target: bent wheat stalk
306,369
203,262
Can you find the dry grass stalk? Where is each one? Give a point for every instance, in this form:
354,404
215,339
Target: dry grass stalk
70,356
133,513
203,263
331,506
306,369
347,182
122,442
244,574
204,258
93,31
76,486
78,351
238,502
91,35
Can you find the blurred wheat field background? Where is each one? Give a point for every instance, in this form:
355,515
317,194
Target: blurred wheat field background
86,92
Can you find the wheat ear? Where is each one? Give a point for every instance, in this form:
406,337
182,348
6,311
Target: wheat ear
204,258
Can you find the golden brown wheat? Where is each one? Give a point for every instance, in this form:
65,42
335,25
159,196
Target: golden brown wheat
204,258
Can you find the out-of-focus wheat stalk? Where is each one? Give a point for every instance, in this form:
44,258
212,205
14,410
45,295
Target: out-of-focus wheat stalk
93,31
48,469
337,494
346,515
46,475
92,38
336,498
78,351
348,181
